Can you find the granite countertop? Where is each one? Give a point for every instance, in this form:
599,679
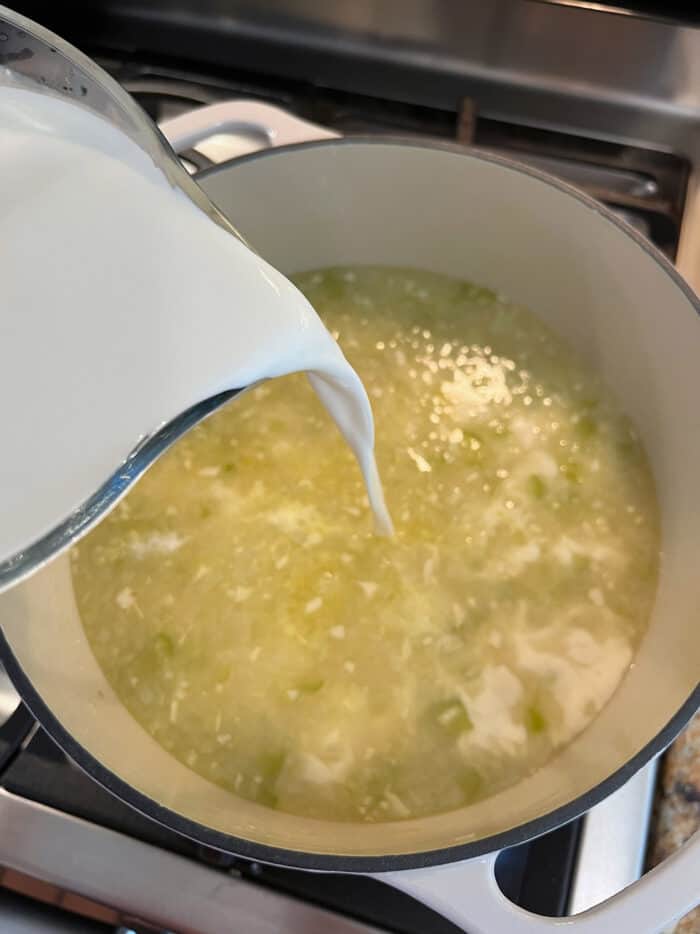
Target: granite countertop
677,810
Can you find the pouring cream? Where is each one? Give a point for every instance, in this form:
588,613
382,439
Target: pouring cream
123,305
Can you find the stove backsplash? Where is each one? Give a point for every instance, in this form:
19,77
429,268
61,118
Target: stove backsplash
569,66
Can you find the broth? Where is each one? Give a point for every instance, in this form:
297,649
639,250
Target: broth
247,616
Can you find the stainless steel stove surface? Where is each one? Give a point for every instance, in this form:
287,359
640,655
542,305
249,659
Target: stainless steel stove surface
335,74
42,793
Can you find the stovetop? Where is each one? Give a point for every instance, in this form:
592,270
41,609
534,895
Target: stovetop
562,872
536,875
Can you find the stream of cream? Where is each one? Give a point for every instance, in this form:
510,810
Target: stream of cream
122,305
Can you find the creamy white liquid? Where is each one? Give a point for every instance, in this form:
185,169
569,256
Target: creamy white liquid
122,305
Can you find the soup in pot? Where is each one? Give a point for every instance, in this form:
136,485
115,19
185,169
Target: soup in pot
244,611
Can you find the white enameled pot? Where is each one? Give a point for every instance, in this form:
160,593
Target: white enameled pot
322,200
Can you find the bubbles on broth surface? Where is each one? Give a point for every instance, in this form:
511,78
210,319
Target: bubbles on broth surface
247,616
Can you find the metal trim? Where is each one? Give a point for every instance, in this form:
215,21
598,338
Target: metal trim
154,885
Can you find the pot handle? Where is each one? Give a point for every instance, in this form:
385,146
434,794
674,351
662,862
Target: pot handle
468,895
268,126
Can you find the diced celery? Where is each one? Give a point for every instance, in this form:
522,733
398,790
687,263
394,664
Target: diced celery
586,426
271,764
571,471
310,685
628,449
469,292
222,671
581,563
269,768
535,722
163,644
334,285
470,783
536,486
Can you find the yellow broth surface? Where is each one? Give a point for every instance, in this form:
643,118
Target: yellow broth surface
249,619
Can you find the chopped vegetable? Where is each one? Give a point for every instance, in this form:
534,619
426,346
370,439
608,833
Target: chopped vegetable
164,644
537,486
450,716
535,721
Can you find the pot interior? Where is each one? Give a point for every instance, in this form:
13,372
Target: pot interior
354,202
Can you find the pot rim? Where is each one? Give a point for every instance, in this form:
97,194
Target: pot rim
298,859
